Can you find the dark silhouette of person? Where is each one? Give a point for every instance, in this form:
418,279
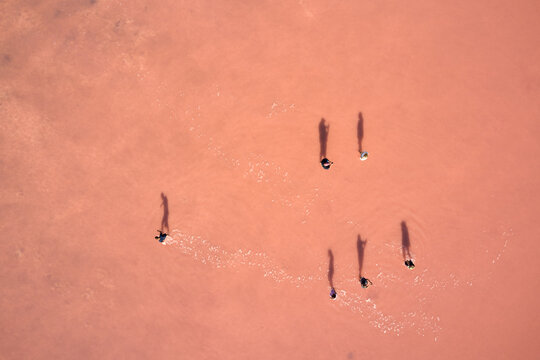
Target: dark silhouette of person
405,243
165,218
360,246
333,293
326,163
409,264
323,139
162,236
365,282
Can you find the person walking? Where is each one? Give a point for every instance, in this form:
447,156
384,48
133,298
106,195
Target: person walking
365,282
333,293
409,263
161,237
364,155
326,163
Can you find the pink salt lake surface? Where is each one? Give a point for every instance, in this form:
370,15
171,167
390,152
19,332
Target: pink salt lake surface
105,105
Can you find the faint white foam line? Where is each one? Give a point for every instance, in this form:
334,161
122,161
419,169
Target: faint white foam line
278,108
419,321
204,251
506,235
420,280
368,309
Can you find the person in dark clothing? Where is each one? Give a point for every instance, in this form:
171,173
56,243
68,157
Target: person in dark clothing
161,237
409,264
333,293
365,282
326,163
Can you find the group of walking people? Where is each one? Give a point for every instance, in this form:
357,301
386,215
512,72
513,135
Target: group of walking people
326,164
324,129
364,282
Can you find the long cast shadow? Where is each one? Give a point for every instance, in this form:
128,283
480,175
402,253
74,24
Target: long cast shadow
323,137
331,268
405,241
360,246
360,131
165,218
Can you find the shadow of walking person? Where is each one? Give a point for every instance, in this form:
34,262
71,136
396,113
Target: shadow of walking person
360,135
333,293
360,246
406,246
165,218
360,131
323,139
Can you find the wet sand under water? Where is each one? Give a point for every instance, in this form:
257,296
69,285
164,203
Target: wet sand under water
114,114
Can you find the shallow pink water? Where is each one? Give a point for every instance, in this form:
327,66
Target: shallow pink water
105,105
